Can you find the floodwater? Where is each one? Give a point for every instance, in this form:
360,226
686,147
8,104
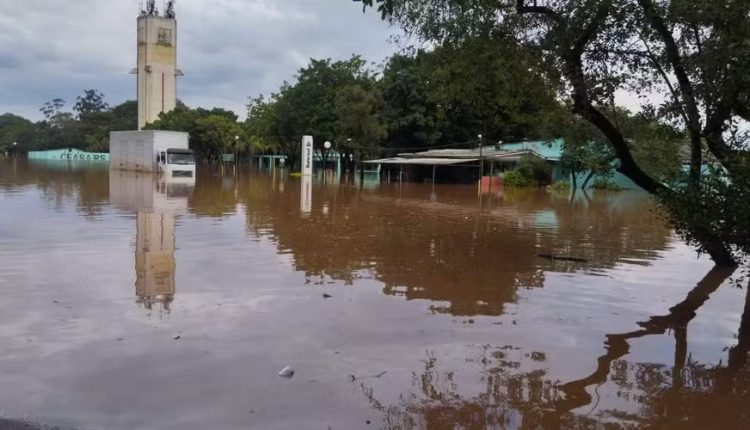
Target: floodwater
133,304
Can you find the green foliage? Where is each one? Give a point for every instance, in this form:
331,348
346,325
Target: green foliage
717,212
514,178
16,129
414,119
584,148
659,148
212,132
561,186
309,107
214,135
359,121
534,168
91,102
531,171
605,184
88,130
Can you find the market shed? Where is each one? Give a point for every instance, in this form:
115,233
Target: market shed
422,165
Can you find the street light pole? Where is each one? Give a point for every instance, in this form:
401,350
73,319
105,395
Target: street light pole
481,159
327,147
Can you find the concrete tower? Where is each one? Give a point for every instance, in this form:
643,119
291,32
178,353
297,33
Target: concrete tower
157,63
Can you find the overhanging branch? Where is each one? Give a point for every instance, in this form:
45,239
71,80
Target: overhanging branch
523,8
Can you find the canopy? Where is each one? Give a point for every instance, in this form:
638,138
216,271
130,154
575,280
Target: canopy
422,161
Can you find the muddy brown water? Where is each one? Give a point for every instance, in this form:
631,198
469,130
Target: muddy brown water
133,304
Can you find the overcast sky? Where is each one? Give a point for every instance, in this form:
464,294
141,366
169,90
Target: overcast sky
228,49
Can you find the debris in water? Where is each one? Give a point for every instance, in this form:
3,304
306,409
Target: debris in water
561,258
327,296
287,373
355,378
177,337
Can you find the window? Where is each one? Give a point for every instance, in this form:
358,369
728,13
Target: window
165,37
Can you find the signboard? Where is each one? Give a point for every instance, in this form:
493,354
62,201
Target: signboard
68,155
307,155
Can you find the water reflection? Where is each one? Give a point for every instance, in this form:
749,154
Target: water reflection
687,394
156,201
467,256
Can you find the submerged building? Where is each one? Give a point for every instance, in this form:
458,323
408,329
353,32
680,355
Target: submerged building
464,165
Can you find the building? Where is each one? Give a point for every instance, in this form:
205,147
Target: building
157,63
465,165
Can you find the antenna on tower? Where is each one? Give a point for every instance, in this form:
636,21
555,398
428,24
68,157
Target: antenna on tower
169,10
151,8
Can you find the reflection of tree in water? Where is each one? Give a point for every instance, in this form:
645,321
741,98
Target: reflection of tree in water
60,182
466,260
687,394
215,193
511,399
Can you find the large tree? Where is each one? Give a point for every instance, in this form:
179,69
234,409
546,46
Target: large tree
306,106
695,53
360,123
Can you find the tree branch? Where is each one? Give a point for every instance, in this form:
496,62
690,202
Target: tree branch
590,29
522,8
583,107
686,87
664,76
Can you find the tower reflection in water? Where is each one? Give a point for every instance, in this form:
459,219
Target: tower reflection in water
157,201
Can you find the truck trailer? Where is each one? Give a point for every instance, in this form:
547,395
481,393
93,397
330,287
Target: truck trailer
164,152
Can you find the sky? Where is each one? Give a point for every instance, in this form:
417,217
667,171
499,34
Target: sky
229,50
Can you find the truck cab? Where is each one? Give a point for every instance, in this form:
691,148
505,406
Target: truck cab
176,163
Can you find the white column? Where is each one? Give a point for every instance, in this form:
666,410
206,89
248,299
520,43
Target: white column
305,199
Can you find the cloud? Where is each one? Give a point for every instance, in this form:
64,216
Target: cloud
228,49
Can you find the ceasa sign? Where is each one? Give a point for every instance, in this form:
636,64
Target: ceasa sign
307,155
83,156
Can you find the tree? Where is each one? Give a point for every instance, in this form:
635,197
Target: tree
305,107
91,102
53,108
259,126
584,149
18,130
693,52
413,118
359,120
215,136
212,131
125,116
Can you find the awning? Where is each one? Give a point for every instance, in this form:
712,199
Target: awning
422,161
514,155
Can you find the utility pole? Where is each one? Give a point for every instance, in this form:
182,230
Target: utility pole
481,160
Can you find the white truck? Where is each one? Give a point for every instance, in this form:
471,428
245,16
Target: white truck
164,152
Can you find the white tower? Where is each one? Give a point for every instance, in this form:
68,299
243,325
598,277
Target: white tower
157,63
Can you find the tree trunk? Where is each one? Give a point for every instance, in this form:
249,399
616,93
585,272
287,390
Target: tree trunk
588,178
574,179
719,252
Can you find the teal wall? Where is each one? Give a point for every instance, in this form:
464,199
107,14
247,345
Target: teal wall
68,155
552,150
